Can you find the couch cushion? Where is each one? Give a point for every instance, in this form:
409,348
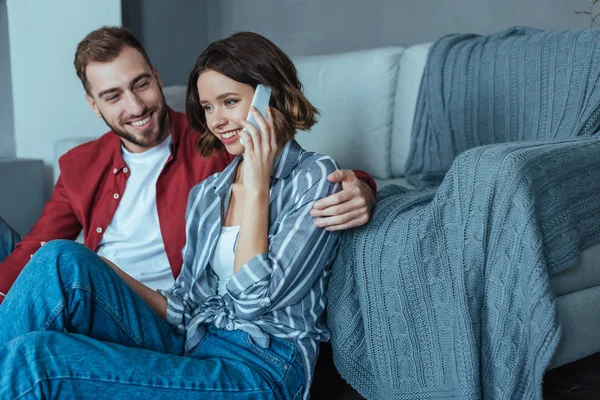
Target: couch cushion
584,275
579,326
354,93
381,183
175,97
412,65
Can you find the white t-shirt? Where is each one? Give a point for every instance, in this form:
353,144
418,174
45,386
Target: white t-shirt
224,256
133,240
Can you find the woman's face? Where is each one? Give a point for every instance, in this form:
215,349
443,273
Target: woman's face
225,102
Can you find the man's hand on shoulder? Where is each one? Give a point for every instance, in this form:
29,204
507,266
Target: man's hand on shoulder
349,208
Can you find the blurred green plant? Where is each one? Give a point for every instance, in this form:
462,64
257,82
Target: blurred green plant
594,12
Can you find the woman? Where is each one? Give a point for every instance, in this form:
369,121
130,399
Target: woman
243,318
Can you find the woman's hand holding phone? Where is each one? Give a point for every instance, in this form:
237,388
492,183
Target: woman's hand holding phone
260,152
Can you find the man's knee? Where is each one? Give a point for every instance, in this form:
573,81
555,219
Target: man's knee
61,251
56,248
57,256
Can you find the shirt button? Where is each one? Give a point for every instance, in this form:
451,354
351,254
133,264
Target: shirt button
125,170
99,230
230,326
263,303
115,171
116,195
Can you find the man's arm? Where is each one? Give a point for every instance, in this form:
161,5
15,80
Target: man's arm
57,221
349,208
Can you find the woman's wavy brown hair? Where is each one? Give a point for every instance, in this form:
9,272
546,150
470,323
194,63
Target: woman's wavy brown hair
250,58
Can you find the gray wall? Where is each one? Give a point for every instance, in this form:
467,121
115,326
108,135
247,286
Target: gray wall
7,134
318,27
174,33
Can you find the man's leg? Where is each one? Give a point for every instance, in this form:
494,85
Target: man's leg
67,287
8,239
64,365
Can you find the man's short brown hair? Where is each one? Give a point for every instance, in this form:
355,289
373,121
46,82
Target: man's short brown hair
104,45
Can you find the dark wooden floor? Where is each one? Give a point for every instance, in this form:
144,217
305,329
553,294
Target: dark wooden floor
579,380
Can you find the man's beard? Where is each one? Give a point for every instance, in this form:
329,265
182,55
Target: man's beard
151,138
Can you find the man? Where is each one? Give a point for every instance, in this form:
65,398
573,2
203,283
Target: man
128,189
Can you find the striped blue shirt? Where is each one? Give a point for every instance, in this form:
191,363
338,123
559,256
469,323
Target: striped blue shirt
280,292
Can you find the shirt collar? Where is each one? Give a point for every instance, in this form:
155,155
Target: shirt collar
284,164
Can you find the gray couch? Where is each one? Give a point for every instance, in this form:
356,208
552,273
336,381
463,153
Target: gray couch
22,189
367,100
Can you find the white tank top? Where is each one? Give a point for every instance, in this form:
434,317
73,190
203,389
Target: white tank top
224,256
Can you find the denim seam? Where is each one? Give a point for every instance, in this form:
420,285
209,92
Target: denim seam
110,311
300,393
54,314
255,349
298,366
146,385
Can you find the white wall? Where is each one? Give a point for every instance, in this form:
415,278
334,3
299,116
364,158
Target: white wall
7,135
48,98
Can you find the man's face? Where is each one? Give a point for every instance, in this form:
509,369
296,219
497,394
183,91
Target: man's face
127,94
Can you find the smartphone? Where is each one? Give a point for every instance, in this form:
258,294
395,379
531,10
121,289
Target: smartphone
261,98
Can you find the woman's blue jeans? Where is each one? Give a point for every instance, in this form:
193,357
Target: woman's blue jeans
71,328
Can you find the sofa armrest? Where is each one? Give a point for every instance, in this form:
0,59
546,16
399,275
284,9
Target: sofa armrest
22,184
556,181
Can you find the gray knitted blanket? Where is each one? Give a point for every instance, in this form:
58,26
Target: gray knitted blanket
520,84
445,293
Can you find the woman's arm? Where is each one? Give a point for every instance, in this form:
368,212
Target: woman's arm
272,272
260,153
179,304
157,301
254,228
297,253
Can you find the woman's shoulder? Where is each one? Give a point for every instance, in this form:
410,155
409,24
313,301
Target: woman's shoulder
316,165
200,188
311,172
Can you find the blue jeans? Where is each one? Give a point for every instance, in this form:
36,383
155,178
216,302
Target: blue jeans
8,239
70,327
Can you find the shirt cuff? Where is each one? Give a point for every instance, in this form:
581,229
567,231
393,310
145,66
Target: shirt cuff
175,308
254,271
363,176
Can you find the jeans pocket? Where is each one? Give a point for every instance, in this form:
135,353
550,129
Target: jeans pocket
280,354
